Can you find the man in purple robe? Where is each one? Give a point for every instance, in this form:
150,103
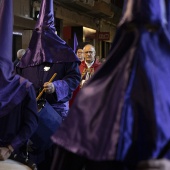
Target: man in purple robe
18,106
123,112
48,54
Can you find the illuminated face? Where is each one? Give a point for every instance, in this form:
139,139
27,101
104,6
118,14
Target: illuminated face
80,54
89,53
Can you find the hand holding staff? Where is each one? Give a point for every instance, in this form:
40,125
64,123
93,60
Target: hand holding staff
41,93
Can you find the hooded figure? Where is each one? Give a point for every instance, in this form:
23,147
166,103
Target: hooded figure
18,106
123,113
48,54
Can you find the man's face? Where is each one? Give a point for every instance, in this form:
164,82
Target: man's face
80,54
89,53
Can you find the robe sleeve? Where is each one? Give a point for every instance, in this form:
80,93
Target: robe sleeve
30,120
69,83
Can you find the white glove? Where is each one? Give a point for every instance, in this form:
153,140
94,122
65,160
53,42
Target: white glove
154,164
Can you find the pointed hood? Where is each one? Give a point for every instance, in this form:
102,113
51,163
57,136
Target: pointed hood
6,41
122,113
45,45
75,42
144,12
12,87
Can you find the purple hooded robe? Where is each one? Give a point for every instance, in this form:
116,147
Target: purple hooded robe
48,50
123,113
48,54
18,107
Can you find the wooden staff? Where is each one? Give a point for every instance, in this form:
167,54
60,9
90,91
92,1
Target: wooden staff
42,91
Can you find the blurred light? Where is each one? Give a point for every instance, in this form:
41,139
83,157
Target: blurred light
17,33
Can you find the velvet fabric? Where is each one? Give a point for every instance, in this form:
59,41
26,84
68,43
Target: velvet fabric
123,112
13,88
45,45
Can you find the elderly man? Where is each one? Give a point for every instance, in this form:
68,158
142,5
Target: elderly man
20,53
89,65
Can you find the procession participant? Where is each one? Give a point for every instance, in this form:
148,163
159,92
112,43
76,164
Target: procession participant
48,54
87,68
20,53
79,53
89,65
122,113
18,106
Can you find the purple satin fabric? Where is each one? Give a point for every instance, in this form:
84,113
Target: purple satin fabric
6,66
21,122
46,16
12,87
45,45
143,11
123,112
167,4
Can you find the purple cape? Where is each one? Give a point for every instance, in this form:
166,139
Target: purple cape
123,112
168,13
12,87
45,45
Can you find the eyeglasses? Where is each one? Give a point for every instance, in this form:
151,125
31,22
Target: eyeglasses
90,52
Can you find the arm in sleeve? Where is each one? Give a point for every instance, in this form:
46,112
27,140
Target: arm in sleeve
29,121
71,80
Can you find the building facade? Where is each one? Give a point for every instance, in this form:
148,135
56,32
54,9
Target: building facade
93,21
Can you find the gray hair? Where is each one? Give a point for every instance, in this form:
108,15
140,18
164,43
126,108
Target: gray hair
20,53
